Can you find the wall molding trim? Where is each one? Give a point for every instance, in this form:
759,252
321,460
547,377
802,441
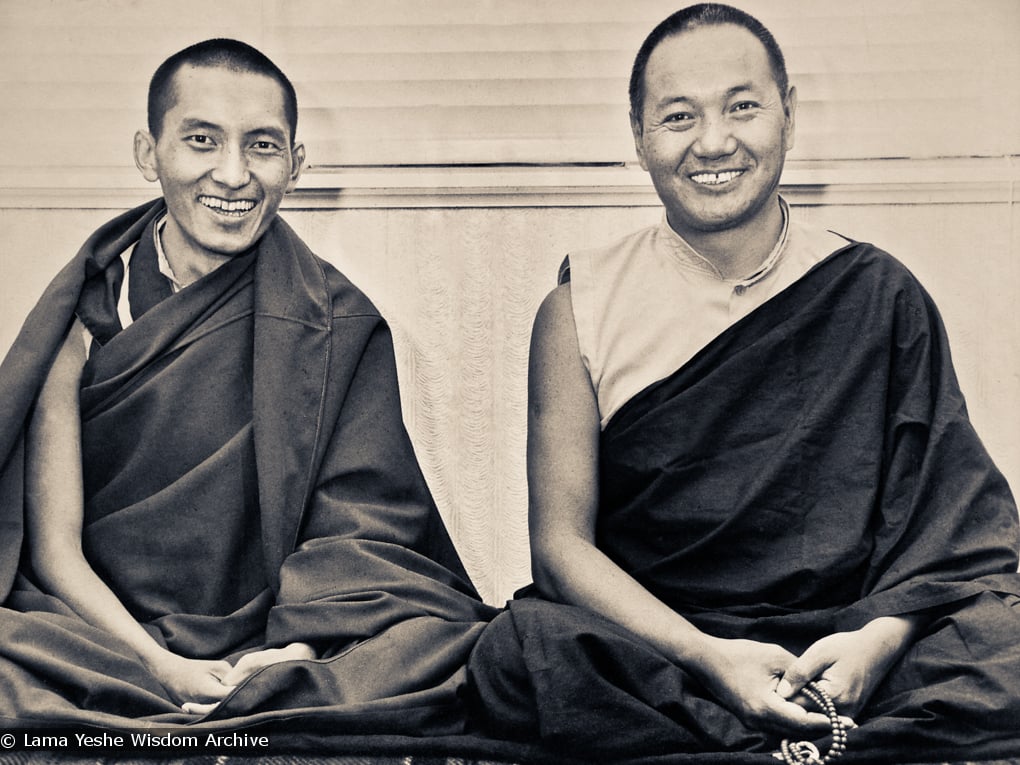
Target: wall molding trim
955,180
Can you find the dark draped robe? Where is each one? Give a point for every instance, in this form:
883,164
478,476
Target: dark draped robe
248,483
811,469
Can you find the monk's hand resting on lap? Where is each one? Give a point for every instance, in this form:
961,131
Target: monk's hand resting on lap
190,680
248,665
743,675
251,663
850,665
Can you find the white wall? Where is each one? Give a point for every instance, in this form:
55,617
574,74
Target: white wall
459,257
460,286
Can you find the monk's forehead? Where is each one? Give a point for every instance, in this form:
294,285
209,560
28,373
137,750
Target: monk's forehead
224,93
705,61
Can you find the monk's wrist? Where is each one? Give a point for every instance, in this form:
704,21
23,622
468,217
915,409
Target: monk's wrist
889,636
303,651
693,649
153,656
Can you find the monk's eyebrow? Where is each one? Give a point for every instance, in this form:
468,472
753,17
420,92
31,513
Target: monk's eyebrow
663,103
195,124
737,89
277,135
271,132
730,93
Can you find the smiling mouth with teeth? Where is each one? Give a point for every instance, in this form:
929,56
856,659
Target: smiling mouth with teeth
716,179
234,209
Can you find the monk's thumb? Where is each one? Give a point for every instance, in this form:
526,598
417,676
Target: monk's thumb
785,689
793,679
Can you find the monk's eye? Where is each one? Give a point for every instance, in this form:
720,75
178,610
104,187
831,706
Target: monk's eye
678,120
265,146
745,108
200,141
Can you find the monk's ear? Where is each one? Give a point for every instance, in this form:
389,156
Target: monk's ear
297,155
145,155
638,131
790,107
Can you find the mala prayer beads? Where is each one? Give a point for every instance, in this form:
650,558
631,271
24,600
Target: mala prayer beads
806,753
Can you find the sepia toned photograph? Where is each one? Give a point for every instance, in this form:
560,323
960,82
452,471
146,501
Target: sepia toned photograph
510,382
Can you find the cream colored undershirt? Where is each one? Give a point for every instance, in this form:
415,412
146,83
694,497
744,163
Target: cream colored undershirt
647,304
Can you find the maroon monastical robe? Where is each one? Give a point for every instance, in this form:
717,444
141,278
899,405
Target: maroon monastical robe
248,483
809,470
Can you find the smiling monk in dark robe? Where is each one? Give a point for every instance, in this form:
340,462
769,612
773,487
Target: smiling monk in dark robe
211,512
761,520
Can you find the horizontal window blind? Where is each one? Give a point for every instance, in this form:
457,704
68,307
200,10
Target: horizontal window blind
467,82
